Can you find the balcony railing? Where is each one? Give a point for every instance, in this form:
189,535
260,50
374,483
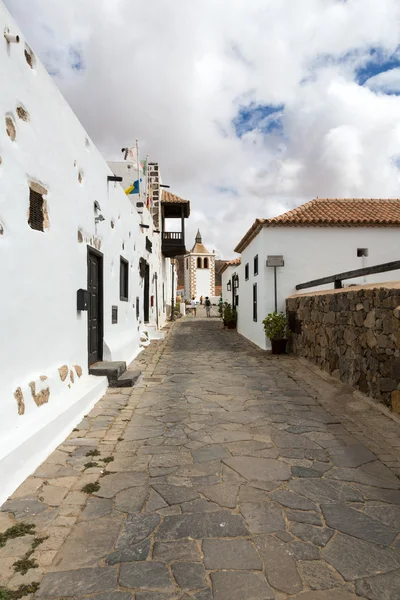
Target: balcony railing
172,236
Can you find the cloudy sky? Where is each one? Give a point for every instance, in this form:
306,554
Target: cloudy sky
251,106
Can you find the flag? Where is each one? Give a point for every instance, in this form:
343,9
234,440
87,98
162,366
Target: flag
134,188
143,166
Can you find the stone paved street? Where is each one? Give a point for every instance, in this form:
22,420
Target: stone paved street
225,474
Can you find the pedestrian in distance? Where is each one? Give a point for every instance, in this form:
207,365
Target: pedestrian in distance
208,306
193,306
201,300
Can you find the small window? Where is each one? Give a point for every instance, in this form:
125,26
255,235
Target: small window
362,251
36,208
187,263
256,265
246,271
149,245
255,302
123,279
206,263
199,263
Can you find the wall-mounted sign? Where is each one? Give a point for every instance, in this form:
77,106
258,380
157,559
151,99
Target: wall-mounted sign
275,260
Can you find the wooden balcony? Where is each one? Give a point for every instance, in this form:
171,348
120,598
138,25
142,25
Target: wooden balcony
173,243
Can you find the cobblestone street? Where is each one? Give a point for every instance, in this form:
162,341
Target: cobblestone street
225,474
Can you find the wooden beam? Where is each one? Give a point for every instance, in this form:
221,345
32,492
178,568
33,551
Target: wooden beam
383,268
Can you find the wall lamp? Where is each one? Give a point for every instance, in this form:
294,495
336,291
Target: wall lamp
229,286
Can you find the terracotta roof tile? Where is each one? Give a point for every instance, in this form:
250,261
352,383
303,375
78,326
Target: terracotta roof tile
332,212
170,198
343,212
229,263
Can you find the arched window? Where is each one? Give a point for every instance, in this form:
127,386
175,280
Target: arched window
199,263
206,263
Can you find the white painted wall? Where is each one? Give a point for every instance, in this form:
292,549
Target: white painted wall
203,283
309,253
40,273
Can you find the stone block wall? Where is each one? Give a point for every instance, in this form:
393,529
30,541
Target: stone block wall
353,334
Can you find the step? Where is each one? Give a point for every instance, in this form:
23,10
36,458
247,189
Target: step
111,369
127,379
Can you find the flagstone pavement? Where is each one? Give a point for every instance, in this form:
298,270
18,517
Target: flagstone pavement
225,474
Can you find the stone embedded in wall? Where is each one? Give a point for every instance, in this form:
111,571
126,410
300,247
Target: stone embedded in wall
22,113
39,398
63,372
10,128
71,376
80,236
18,395
1,228
353,334
29,56
78,370
43,378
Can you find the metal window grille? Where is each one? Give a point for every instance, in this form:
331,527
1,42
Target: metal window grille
256,265
123,279
36,217
255,302
149,245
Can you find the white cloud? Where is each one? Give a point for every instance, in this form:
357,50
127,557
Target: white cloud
388,82
174,74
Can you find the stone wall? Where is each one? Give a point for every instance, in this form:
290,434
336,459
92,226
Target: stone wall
353,334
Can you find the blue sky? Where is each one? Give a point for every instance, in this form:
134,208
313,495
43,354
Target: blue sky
377,62
263,117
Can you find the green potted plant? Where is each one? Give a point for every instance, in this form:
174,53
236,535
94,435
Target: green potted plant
276,329
230,316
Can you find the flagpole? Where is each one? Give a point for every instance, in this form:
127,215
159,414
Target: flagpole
138,165
147,182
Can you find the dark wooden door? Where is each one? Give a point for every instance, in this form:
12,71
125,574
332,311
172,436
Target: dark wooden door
95,312
146,299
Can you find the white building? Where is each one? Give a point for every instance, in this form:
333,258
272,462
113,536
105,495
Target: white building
320,238
229,280
70,239
199,270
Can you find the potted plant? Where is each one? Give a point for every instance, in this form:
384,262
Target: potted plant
276,329
230,316
222,309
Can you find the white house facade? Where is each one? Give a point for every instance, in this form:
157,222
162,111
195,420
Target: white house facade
320,238
230,275
199,271
83,273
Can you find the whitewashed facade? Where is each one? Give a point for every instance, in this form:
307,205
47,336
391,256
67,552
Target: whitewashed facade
309,252
57,209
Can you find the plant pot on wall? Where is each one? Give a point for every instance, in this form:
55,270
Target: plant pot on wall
278,346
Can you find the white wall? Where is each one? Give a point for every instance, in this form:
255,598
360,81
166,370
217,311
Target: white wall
309,253
40,272
203,282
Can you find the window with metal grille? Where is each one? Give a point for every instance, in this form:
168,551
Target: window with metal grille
36,216
246,271
256,265
362,251
123,279
255,302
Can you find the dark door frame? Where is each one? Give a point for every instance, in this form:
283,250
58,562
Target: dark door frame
92,251
146,294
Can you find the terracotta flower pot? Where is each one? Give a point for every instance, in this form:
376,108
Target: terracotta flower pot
231,325
278,346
